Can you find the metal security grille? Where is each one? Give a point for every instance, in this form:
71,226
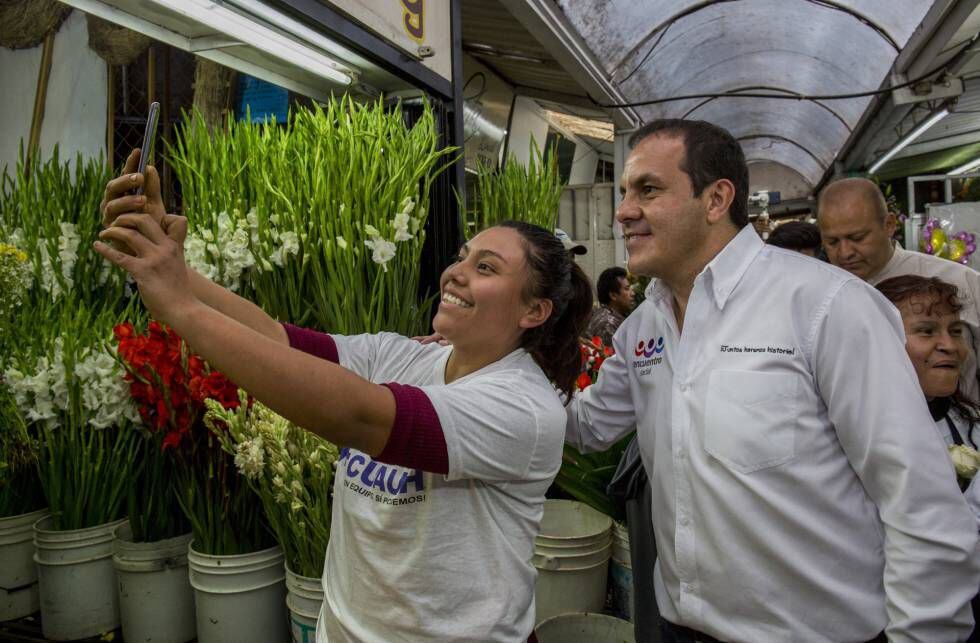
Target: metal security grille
163,74
443,233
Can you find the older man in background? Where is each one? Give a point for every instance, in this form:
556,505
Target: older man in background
857,230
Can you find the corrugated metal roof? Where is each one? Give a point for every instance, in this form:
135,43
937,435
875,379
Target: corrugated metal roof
662,49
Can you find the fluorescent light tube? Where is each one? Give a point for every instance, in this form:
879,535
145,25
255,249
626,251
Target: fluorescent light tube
966,167
249,32
908,138
298,29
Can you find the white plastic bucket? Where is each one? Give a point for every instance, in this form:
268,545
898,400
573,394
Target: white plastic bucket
76,580
304,598
239,598
621,574
156,603
584,628
571,554
18,575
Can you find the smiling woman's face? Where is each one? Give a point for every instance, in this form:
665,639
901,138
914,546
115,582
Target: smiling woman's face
934,337
482,292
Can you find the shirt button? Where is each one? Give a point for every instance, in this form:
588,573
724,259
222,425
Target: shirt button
681,454
684,521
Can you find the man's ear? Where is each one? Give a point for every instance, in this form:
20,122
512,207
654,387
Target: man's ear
537,313
891,222
718,198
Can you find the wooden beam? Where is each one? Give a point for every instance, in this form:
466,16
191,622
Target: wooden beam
41,95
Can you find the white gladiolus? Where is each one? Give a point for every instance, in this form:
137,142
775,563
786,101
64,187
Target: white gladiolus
342,243
105,394
290,243
382,251
196,255
68,251
371,231
401,220
408,204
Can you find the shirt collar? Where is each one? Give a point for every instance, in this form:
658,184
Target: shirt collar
728,266
724,271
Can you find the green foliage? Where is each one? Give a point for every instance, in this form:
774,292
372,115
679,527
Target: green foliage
320,221
586,476
523,193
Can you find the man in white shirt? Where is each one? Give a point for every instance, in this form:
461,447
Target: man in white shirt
780,421
857,230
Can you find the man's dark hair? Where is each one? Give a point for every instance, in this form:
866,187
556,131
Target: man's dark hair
710,154
608,283
795,235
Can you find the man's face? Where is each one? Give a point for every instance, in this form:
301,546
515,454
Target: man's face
622,300
663,222
854,236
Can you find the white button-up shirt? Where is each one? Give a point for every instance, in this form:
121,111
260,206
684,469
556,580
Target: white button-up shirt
800,491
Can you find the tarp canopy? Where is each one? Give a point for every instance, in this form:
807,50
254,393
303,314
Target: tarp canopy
663,49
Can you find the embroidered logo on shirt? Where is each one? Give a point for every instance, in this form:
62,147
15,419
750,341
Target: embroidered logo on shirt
384,483
775,350
650,348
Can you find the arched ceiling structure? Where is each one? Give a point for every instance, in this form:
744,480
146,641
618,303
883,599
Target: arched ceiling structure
662,49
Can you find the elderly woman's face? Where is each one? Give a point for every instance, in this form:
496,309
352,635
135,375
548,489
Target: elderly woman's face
934,337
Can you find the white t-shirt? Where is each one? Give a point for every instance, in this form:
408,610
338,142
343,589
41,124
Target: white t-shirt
420,556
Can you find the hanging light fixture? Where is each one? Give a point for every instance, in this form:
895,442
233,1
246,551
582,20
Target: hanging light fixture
908,138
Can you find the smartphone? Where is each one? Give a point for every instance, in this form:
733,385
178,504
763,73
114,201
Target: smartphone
149,139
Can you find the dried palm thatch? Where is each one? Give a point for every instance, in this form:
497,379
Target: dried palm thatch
212,91
115,44
25,23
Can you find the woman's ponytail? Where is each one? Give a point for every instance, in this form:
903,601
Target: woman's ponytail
554,345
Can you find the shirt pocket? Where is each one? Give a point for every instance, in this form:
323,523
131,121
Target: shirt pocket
750,419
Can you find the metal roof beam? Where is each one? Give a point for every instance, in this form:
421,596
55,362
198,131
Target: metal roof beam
549,25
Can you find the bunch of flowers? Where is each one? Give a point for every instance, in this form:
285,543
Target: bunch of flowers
320,221
70,390
50,211
15,279
594,353
19,491
289,468
523,192
186,466
586,476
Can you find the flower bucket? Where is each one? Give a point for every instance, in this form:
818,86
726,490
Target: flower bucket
156,603
571,554
18,575
239,598
76,580
621,573
584,628
304,598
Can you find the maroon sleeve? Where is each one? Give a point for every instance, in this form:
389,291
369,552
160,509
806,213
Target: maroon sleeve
313,342
416,439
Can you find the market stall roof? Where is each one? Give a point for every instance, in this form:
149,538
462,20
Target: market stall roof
661,50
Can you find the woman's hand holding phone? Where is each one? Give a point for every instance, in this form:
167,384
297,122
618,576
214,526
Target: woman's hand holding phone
120,195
